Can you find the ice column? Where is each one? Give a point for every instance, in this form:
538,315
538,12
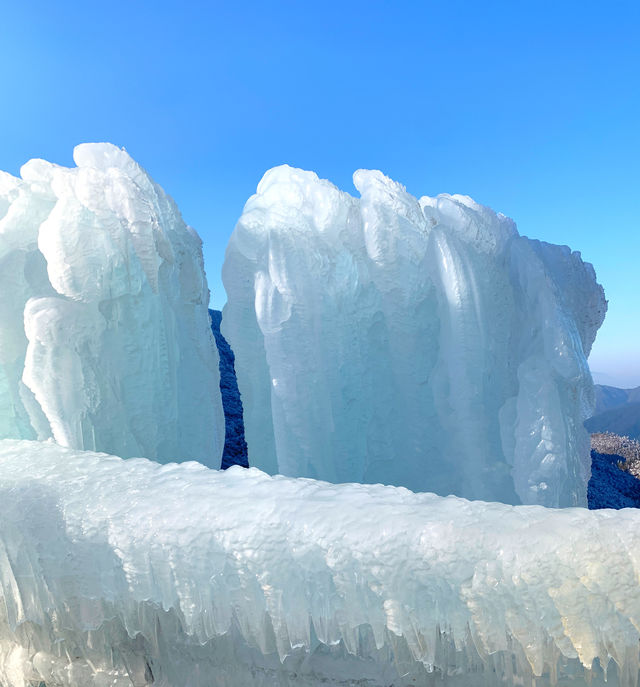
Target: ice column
104,330
411,342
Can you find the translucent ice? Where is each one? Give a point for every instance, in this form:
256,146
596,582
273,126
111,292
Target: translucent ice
421,343
129,572
104,329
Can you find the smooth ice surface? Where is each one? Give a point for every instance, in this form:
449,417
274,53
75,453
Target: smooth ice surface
105,340
421,343
130,572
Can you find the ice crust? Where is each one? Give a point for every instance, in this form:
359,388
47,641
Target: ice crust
105,340
129,572
413,342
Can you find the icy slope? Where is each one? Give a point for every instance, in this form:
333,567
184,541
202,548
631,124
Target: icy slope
414,342
111,567
104,330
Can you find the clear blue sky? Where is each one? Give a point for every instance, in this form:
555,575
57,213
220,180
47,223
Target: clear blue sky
532,108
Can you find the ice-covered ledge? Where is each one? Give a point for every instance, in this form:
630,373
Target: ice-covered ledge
119,572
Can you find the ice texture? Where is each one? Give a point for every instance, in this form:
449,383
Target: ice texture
412,342
129,572
105,340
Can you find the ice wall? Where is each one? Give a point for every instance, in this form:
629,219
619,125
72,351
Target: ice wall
129,572
413,342
105,340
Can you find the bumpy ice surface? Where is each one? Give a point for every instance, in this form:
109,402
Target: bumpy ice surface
105,340
120,572
421,343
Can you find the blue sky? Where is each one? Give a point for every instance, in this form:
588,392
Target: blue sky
532,108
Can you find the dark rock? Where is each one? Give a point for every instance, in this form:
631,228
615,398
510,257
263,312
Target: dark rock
609,486
235,447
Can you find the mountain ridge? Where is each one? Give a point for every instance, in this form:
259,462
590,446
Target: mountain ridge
617,411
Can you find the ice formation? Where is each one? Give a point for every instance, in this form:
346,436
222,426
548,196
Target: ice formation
130,572
413,342
105,340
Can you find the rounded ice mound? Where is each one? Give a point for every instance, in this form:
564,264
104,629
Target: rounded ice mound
105,156
104,327
416,342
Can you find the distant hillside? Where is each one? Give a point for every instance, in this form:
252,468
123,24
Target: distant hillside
617,411
623,420
608,397
615,468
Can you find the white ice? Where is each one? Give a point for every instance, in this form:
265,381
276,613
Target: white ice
413,342
120,572
104,330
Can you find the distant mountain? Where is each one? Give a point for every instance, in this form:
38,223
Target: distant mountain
608,397
623,420
617,411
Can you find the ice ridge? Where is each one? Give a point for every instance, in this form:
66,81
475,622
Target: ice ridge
130,572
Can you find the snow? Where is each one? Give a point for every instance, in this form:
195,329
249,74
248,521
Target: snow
105,341
127,572
412,342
